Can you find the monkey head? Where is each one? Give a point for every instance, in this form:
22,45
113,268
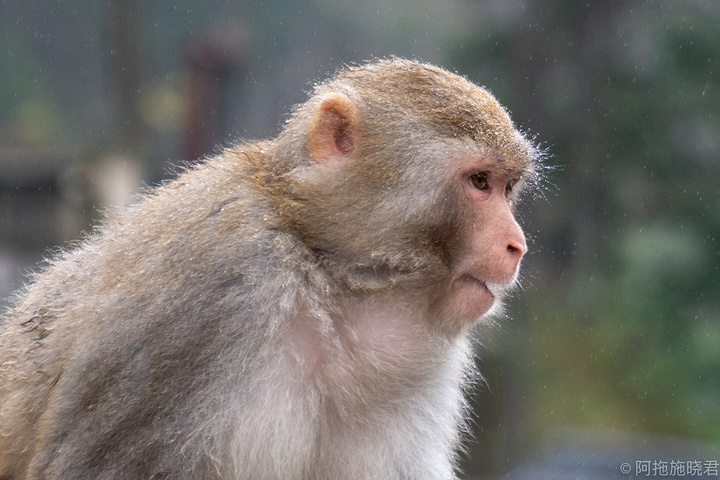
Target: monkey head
406,178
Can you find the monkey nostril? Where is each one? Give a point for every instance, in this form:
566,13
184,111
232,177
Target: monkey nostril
516,249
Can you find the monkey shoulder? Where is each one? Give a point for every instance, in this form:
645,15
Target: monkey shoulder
186,255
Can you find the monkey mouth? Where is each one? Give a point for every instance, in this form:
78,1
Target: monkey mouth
485,287
496,290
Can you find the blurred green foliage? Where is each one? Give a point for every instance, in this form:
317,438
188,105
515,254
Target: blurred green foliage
622,321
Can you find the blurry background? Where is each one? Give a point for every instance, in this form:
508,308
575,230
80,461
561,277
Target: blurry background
611,351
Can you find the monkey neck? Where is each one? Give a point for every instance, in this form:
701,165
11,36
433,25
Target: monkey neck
367,343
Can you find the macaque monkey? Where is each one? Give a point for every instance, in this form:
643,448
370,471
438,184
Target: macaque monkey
298,308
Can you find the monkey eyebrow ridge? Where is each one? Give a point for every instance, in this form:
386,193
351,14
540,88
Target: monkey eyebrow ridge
497,165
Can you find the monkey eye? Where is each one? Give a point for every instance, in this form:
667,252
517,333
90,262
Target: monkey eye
509,187
480,181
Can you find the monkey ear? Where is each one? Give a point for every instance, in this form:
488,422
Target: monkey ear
332,127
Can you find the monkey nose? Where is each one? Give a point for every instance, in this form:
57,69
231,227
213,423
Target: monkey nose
517,247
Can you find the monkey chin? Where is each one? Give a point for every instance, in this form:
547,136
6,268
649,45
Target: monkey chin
467,302
477,296
498,291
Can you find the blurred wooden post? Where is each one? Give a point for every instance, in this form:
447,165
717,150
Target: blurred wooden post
212,59
126,71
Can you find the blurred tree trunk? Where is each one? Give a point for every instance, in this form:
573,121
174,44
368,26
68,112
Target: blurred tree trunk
577,37
571,38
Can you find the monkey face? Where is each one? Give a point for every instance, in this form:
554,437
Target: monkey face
486,255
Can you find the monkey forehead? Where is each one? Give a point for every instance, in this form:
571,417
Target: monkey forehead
510,158
472,161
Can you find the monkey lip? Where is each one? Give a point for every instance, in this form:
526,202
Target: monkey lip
468,279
